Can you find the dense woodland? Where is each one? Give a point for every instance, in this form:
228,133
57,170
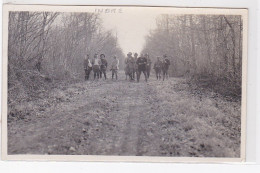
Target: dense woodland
204,48
45,48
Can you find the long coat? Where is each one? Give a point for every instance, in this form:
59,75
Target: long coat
130,65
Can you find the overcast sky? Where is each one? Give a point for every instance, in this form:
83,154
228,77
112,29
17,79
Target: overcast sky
131,26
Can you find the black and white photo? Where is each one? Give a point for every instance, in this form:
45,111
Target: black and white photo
129,83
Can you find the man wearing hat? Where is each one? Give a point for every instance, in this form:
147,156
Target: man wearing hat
103,66
130,65
165,66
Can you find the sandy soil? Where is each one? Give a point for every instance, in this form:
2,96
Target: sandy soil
126,118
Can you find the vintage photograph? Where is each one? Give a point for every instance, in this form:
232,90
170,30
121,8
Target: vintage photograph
125,81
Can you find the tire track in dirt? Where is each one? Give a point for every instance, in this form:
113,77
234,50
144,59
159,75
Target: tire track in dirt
62,119
103,118
131,144
124,118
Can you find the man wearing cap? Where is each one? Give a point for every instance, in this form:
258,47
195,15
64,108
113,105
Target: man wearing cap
96,66
141,63
103,66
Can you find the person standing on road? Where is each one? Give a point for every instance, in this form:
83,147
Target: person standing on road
130,65
141,63
135,65
158,67
96,66
114,67
148,65
165,66
87,67
103,66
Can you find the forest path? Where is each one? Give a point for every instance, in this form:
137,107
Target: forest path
157,118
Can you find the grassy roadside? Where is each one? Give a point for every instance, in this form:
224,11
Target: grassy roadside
197,124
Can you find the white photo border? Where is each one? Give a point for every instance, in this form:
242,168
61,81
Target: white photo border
56,8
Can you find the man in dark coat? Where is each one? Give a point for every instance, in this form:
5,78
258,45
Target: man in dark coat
158,67
103,66
141,66
165,66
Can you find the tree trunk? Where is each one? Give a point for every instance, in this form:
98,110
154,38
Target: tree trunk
193,55
234,46
206,35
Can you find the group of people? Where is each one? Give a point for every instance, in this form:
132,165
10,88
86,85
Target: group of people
134,66
162,66
99,66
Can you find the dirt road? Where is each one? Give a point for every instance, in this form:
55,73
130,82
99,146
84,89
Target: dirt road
127,118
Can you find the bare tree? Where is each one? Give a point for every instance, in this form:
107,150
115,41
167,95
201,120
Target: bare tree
204,47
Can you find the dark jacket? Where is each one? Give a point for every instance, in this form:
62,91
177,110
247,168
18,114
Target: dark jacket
103,64
141,62
85,64
167,62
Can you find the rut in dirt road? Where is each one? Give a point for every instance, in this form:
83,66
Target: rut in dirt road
127,118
